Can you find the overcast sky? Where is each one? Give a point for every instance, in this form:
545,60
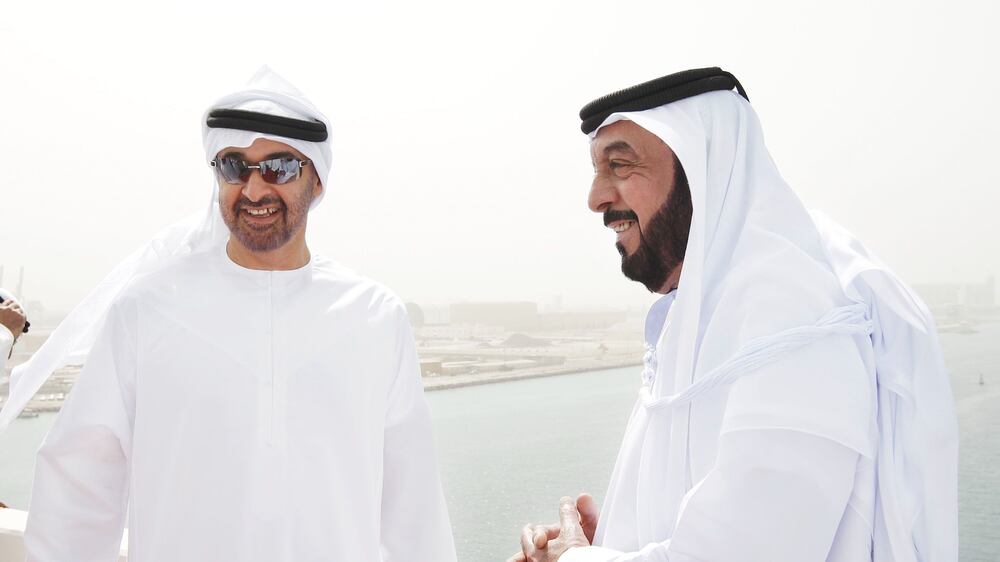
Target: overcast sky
459,169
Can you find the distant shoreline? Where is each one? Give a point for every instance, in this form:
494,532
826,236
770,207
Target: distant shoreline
445,382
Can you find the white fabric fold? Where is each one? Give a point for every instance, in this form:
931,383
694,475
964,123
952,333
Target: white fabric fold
761,351
916,512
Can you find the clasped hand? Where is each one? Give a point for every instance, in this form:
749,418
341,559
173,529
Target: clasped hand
12,316
546,543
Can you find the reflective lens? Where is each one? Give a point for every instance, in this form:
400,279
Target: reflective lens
233,170
279,171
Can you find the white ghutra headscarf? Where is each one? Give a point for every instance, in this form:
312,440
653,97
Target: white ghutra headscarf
70,342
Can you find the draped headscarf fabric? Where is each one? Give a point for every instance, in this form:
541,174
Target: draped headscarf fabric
916,512
70,342
758,269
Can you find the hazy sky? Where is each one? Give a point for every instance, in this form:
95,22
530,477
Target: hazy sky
459,169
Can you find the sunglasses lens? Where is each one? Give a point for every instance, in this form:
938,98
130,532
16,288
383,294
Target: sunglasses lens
233,170
279,170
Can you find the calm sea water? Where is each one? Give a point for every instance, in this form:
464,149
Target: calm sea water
508,451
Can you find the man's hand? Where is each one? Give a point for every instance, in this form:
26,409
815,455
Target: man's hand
546,543
12,317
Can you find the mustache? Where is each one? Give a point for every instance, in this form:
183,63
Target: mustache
612,215
245,203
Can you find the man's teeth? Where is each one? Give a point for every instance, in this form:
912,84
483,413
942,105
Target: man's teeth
623,226
262,212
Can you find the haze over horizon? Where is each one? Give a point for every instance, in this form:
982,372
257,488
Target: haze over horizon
460,173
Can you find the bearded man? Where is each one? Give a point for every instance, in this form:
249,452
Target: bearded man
794,405
244,399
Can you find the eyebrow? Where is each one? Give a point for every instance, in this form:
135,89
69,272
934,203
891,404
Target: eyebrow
619,146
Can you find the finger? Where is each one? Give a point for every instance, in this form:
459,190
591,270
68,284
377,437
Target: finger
544,534
551,531
540,538
569,519
519,557
528,540
589,513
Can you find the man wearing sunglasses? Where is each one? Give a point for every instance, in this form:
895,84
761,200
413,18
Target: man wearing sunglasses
245,399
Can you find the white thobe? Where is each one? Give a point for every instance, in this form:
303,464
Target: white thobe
235,414
754,493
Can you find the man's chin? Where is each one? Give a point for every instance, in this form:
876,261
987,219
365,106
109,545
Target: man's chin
641,271
258,241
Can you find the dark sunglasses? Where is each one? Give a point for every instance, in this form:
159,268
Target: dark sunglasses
279,171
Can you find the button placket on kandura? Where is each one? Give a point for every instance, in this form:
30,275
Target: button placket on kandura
267,384
279,369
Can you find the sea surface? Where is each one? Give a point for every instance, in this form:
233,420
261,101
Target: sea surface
508,451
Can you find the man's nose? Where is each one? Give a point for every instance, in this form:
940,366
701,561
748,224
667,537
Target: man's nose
603,195
256,188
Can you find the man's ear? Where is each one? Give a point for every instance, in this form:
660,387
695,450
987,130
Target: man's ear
317,188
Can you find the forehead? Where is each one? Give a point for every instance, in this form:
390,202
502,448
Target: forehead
626,136
262,148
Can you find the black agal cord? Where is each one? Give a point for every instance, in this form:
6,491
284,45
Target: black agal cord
313,131
655,93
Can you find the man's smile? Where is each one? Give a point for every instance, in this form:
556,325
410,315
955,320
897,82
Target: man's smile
260,215
621,226
622,229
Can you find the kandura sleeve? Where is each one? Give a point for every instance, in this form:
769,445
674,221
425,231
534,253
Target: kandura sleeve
415,525
774,495
80,492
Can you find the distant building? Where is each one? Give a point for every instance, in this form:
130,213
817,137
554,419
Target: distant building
952,294
581,320
430,366
435,314
507,315
524,316
960,301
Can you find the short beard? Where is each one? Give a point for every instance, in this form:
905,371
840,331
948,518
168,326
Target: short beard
273,236
663,243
